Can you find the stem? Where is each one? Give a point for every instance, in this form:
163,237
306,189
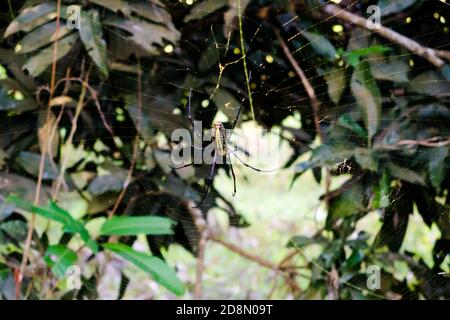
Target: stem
247,78
73,129
11,11
315,104
42,161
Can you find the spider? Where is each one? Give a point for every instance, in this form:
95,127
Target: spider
221,150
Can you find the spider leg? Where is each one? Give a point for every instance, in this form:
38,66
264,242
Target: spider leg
232,174
236,119
208,180
249,166
191,119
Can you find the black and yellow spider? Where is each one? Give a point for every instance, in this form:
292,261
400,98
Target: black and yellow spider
221,150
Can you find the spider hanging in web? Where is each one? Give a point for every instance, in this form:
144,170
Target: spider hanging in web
221,151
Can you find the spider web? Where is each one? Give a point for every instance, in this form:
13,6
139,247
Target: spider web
229,59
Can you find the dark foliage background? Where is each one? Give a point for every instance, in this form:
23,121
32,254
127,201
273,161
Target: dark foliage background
384,115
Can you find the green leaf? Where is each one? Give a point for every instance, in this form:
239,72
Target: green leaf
130,226
395,70
6,101
106,183
382,191
146,35
31,18
366,159
430,83
445,70
336,83
41,37
367,95
388,7
204,8
348,203
44,58
60,258
395,224
437,166
113,5
321,44
152,11
347,121
53,212
405,174
353,56
208,59
101,202
92,38
157,268
29,161
303,241
16,229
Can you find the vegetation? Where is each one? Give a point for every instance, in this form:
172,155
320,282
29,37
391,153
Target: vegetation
88,107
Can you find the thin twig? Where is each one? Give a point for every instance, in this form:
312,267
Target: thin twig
244,61
29,237
432,55
54,129
94,97
73,129
236,249
315,104
135,146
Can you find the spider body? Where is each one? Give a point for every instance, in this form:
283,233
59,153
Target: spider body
220,137
221,151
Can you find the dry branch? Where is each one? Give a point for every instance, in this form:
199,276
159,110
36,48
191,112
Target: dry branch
432,55
315,103
29,237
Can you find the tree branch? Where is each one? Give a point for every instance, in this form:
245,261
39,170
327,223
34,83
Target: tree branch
432,55
29,237
315,103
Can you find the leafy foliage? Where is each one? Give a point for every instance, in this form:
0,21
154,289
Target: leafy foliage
127,72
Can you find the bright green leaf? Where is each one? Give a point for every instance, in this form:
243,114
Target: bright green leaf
60,258
129,226
157,268
53,212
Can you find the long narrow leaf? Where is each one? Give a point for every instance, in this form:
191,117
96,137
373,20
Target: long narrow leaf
131,226
54,212
157,268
